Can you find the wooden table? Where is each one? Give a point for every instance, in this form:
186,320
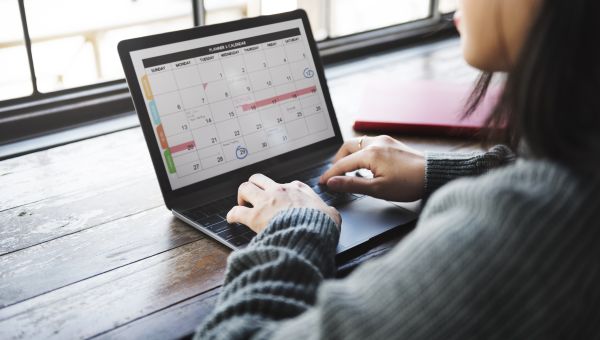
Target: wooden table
87,248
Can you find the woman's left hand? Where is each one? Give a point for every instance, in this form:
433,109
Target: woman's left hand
267,198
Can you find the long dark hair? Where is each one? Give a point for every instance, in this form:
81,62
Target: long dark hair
551,98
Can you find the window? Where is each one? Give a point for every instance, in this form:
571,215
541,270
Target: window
63,67
16,79
330,18
74,42
353,16
448,6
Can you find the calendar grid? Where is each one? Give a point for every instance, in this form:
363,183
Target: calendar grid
224,105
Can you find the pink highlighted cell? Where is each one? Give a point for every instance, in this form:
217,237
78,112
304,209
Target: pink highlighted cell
274,100
183,147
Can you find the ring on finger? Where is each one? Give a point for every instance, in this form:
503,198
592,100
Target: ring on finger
360,142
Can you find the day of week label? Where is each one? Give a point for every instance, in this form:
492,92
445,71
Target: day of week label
158,69
207,58
183,63
227,54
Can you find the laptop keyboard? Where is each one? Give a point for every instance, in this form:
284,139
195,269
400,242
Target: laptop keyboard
212,216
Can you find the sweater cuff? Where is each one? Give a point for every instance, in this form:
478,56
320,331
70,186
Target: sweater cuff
443,167
308,232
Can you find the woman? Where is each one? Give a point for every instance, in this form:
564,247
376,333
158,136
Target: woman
508,251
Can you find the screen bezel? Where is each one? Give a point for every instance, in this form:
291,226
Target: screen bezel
127,46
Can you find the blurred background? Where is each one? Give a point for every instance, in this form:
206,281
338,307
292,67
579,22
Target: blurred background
73,42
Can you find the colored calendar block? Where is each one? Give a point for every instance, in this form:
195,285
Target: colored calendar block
154,113
169,161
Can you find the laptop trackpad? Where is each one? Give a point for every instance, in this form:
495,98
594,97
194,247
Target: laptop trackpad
366,218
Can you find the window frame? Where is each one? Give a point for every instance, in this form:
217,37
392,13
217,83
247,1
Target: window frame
44,113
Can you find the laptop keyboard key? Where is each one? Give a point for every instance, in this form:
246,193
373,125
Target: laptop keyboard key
195,214
310,181
210,209
249,234
227,233
209,220
239,241
218,227
238,229
339,200
223,205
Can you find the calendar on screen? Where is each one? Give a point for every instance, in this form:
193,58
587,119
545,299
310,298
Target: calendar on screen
223,102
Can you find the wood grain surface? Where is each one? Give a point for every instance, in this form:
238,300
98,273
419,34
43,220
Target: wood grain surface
111,299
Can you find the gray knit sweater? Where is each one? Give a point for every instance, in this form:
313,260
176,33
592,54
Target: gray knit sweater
511,253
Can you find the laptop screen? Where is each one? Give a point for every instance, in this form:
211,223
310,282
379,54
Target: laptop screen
226,101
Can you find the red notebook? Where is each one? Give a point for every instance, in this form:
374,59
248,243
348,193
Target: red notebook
422,107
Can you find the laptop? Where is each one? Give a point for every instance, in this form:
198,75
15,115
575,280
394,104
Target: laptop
219,103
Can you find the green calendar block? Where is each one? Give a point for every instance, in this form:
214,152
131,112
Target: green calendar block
170,163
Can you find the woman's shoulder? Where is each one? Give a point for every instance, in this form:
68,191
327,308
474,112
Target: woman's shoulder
536,190
528,212
525,179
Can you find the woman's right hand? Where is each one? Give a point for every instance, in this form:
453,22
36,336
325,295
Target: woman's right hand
398,171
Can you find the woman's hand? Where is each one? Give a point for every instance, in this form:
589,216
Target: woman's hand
398,171
267,198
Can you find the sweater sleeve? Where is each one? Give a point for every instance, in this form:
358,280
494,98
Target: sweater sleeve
276,277
443,167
